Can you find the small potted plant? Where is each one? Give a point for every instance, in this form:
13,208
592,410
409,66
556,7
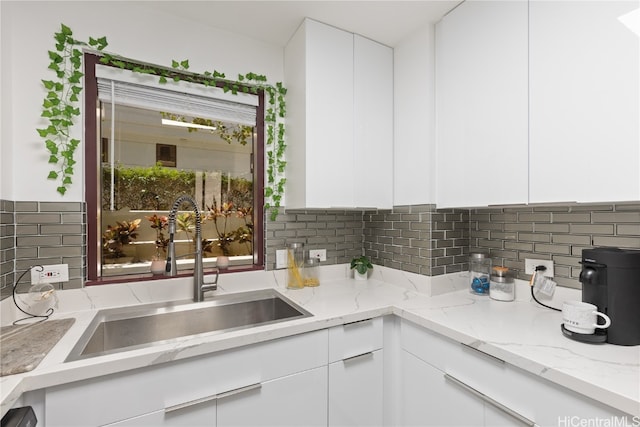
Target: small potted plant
361,266
159,223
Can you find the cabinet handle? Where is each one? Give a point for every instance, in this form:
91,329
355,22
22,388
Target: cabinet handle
235,391
212,397
359,356
356,323
497,359
490,401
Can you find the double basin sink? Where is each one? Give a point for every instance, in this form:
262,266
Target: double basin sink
128,328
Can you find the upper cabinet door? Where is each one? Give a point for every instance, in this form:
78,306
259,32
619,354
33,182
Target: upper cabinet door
340,119
373,123
481,104
584,91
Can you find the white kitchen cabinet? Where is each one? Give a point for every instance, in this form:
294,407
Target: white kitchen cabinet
295,400
356,374
428,400
585,102
356,390
437,367
339,119
481,104
373,123
190,392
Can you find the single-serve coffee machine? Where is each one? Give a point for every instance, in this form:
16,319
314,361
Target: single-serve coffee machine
611,280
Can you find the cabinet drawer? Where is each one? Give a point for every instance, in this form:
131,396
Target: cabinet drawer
530,396
125,395
354,339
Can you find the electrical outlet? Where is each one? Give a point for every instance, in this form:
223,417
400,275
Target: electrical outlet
281,258
56,273
531,264
319,254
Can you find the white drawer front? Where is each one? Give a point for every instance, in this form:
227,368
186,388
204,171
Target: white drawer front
353,339
120,396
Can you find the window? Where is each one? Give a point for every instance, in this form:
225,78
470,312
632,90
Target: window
155,143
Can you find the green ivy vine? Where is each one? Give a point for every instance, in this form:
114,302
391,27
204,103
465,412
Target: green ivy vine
60,107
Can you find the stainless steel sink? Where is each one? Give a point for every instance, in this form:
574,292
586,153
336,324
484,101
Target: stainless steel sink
128,328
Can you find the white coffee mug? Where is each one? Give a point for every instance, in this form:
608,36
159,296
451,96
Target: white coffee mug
581,317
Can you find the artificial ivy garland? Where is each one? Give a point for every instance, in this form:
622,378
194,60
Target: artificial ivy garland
60,107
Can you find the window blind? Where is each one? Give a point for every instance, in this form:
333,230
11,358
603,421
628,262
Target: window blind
126,88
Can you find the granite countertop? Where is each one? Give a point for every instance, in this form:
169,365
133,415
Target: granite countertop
521,333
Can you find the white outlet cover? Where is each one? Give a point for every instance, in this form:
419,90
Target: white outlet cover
56,273
530,265
320,254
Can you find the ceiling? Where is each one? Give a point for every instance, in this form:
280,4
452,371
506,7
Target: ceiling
387,22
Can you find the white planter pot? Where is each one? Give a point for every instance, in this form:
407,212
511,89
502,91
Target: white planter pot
158,266
359,276
222,262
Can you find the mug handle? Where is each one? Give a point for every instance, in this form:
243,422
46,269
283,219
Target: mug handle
607,320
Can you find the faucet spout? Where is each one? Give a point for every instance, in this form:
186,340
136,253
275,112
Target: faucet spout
171,268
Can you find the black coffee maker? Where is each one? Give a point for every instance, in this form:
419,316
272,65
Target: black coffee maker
611,280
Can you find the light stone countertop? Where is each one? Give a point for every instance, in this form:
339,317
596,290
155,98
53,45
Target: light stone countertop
521,333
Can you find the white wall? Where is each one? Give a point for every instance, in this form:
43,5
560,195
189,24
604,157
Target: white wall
414,118
133,30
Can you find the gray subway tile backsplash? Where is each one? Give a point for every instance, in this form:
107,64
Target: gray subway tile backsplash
42,233
559,233
415,238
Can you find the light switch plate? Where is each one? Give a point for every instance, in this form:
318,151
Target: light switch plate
281,258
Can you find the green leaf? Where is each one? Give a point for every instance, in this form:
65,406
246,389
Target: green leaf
53,159
43,132
75,77
77,62
65,30
185,64
66,180
53,175
51,146
162,80
174,63
62,190
55,57
68,171
48,84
